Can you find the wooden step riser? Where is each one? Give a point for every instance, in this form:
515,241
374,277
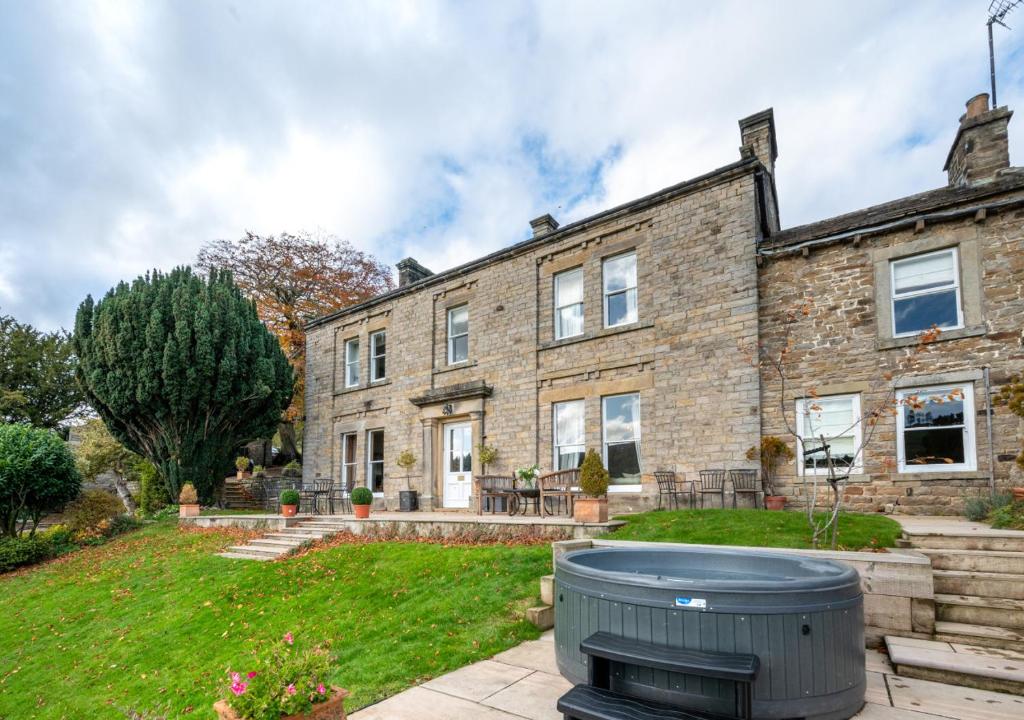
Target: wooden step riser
1010,588
980,641
978,563
996,617
958,542
963,679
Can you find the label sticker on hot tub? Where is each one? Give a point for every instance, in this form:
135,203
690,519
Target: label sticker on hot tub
695,603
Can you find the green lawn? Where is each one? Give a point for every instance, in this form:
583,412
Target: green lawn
755,528
150,622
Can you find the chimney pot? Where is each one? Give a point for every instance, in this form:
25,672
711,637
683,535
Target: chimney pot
977,105
543,225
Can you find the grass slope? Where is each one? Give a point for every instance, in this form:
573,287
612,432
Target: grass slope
754,527
150,622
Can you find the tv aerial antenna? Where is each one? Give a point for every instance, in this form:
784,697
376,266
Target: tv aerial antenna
997,12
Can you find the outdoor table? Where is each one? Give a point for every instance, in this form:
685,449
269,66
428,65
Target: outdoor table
522,497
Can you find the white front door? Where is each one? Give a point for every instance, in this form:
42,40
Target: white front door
458,465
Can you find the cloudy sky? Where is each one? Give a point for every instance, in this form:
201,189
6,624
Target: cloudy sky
131,133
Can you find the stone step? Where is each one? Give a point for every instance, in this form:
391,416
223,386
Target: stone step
939,662
320,525
993,561
992,540
279,542
975,610
298,532
244,556
964,582
983,635
256,550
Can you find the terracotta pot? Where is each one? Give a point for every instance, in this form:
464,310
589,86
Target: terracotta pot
332,709
591,510
775,502
1018,494
289,510
188,510
362,511
242,474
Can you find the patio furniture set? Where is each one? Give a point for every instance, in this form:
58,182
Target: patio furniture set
712,482
315,497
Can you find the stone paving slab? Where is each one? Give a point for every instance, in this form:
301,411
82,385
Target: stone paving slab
877,662
533,654
478,681
953,701
533,697
418,703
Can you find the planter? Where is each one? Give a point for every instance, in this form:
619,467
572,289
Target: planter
775,502
242,474
332,709
362,511
407,501
289,510
591,510
1018,494
188,510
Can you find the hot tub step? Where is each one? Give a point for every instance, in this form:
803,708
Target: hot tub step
940,662
592,703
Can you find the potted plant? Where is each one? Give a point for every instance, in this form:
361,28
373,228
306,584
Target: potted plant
487,454
242,467
188,501
594,483
406,498
289,502
773,450
284,684
527,476
362,499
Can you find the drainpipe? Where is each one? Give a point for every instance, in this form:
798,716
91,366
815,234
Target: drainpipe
988,427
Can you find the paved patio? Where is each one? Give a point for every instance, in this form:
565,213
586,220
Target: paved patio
524,683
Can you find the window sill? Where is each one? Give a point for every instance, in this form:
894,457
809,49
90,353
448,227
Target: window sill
889,343
939,474
358,388
603,332
456,366
614,489
857,478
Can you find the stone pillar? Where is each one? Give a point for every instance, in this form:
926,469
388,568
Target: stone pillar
428,485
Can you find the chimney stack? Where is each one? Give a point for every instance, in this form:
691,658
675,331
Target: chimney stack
410,271
757,137
981,147
543,225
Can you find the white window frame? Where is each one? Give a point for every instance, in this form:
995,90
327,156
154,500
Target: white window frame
370,462
559,334
856,430
374,356
452,338
970,463
352,363
348,464
893,297
635,487
554,429
632,289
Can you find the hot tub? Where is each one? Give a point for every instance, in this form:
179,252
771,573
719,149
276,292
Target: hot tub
802,617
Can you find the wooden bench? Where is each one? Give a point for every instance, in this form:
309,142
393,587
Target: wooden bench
596,701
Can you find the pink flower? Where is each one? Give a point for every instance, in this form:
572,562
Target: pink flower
235,677
251,674
321,689
238,688
288,638
290,689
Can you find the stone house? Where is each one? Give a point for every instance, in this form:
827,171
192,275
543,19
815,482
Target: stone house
631,332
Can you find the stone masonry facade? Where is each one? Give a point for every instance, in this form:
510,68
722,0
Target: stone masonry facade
715,277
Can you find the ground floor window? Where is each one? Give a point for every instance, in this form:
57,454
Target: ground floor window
375,460
837,418
568,434
348,461
935,429
620,430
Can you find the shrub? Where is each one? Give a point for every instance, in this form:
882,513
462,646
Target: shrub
772,451
487,454
1009,516
290,497
362,496
593,477
37,475
153,490
293,465
91,512
18,551
241,463
123,523
284,681
188,495
257,469
979,508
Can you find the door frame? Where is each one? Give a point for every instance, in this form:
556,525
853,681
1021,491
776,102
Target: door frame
445,450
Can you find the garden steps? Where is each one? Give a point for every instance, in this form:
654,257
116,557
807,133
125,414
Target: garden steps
993,561
987,540
992,584
273,545
244,556
966,665
983,635
980,610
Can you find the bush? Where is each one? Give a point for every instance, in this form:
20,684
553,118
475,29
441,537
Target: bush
289,497
29,550
241,463
293,465
1009,516
123,523
153,490
257,469
188,495
362,496
979,508
37,476
91,512
593,477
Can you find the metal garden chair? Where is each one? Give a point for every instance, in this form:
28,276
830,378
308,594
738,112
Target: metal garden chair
670,485
744,482
712,482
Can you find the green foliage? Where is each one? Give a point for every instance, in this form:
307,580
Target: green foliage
37,376
182,372
527,475
1013,395
153,490
290,497
37,475
91,512
257,469
281,681
293,465
362,496
979,508
188,495
241,463
99,452
16,552
1009,516
487,454
772,451
593,477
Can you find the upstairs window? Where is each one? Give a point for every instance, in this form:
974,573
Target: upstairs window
837,419
926,292
378,356
375,460
569,303
352,362
621,435
935,429
458,334
620,290
569,444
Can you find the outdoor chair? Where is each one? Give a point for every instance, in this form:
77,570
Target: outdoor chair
712,482
744,482
271,495
490,489
670,485
558,486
